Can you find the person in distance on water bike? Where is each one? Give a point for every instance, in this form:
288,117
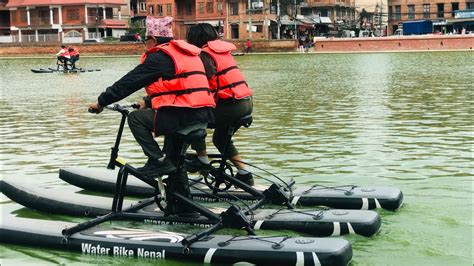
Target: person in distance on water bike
232,94
74,54
176,101
63,56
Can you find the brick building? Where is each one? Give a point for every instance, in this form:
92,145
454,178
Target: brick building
447,15
65,20
255,19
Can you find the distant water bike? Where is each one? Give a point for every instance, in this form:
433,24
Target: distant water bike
63,67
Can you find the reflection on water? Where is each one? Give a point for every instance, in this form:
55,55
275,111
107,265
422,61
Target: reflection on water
401,120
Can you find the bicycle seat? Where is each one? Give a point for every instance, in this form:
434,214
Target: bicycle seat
193,135
245,121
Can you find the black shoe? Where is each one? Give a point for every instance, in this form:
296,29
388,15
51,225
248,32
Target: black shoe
246,178
154,168
194,165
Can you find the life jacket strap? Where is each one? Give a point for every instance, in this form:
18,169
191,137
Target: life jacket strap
180,92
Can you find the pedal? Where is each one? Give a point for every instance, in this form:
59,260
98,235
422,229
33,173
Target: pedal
276,194
235,218
161,202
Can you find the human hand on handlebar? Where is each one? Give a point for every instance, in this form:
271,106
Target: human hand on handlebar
95,108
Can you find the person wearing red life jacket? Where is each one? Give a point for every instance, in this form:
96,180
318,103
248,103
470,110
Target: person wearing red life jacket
232,93
63,56
179,98
74,54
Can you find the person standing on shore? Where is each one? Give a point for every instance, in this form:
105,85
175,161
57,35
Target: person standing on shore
179,99
232,94
248,46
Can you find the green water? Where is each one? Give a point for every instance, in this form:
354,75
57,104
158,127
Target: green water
402,120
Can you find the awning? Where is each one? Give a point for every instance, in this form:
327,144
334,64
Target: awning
325,20
214,23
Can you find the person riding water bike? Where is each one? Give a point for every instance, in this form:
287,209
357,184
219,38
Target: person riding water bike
63,57
179,99
74,54
232,94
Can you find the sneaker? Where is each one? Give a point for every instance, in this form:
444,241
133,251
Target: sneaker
157,167
194,165
246,178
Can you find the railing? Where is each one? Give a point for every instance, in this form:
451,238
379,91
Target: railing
6,39
32,38
94,35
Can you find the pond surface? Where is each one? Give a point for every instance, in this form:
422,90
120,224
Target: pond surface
390,119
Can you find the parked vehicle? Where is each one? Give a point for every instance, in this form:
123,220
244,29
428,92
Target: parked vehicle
417,27
93,40
130,37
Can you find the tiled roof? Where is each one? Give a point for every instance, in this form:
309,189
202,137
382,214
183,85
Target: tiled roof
24,3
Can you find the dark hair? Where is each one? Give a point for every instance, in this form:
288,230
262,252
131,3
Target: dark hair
63,46
201,33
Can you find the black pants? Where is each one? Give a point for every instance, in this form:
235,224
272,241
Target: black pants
225,114
141,123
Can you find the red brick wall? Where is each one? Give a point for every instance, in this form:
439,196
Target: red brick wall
432,42
456,42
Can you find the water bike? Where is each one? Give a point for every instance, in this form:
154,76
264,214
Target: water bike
90,237
61,67
219,184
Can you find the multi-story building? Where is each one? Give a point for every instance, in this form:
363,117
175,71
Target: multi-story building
4,21
65,21
255,19
445,14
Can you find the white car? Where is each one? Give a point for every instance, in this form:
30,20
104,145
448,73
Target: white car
94,40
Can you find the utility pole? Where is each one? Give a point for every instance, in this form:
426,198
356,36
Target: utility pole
278,20
250,19
294,20
97,19
380,18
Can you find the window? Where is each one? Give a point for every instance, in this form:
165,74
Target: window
220,6
426,10
72,14
234,30
188,9
151,10
470,5
234,8
142,6
411,11
454,7
440,13
23,16
168,9
160,10
398,13
209,7
201,7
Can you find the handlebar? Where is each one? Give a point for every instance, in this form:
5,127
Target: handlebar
122,108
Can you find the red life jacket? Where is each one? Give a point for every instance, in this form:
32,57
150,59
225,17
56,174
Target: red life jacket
188,87
74,51
228,82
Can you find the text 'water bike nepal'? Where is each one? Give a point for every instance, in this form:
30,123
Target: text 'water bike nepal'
345,196
318,222
90,238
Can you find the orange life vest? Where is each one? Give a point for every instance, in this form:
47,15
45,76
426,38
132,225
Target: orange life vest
228,81
74,51
188,87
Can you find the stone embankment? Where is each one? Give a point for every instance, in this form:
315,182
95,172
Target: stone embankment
322,45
